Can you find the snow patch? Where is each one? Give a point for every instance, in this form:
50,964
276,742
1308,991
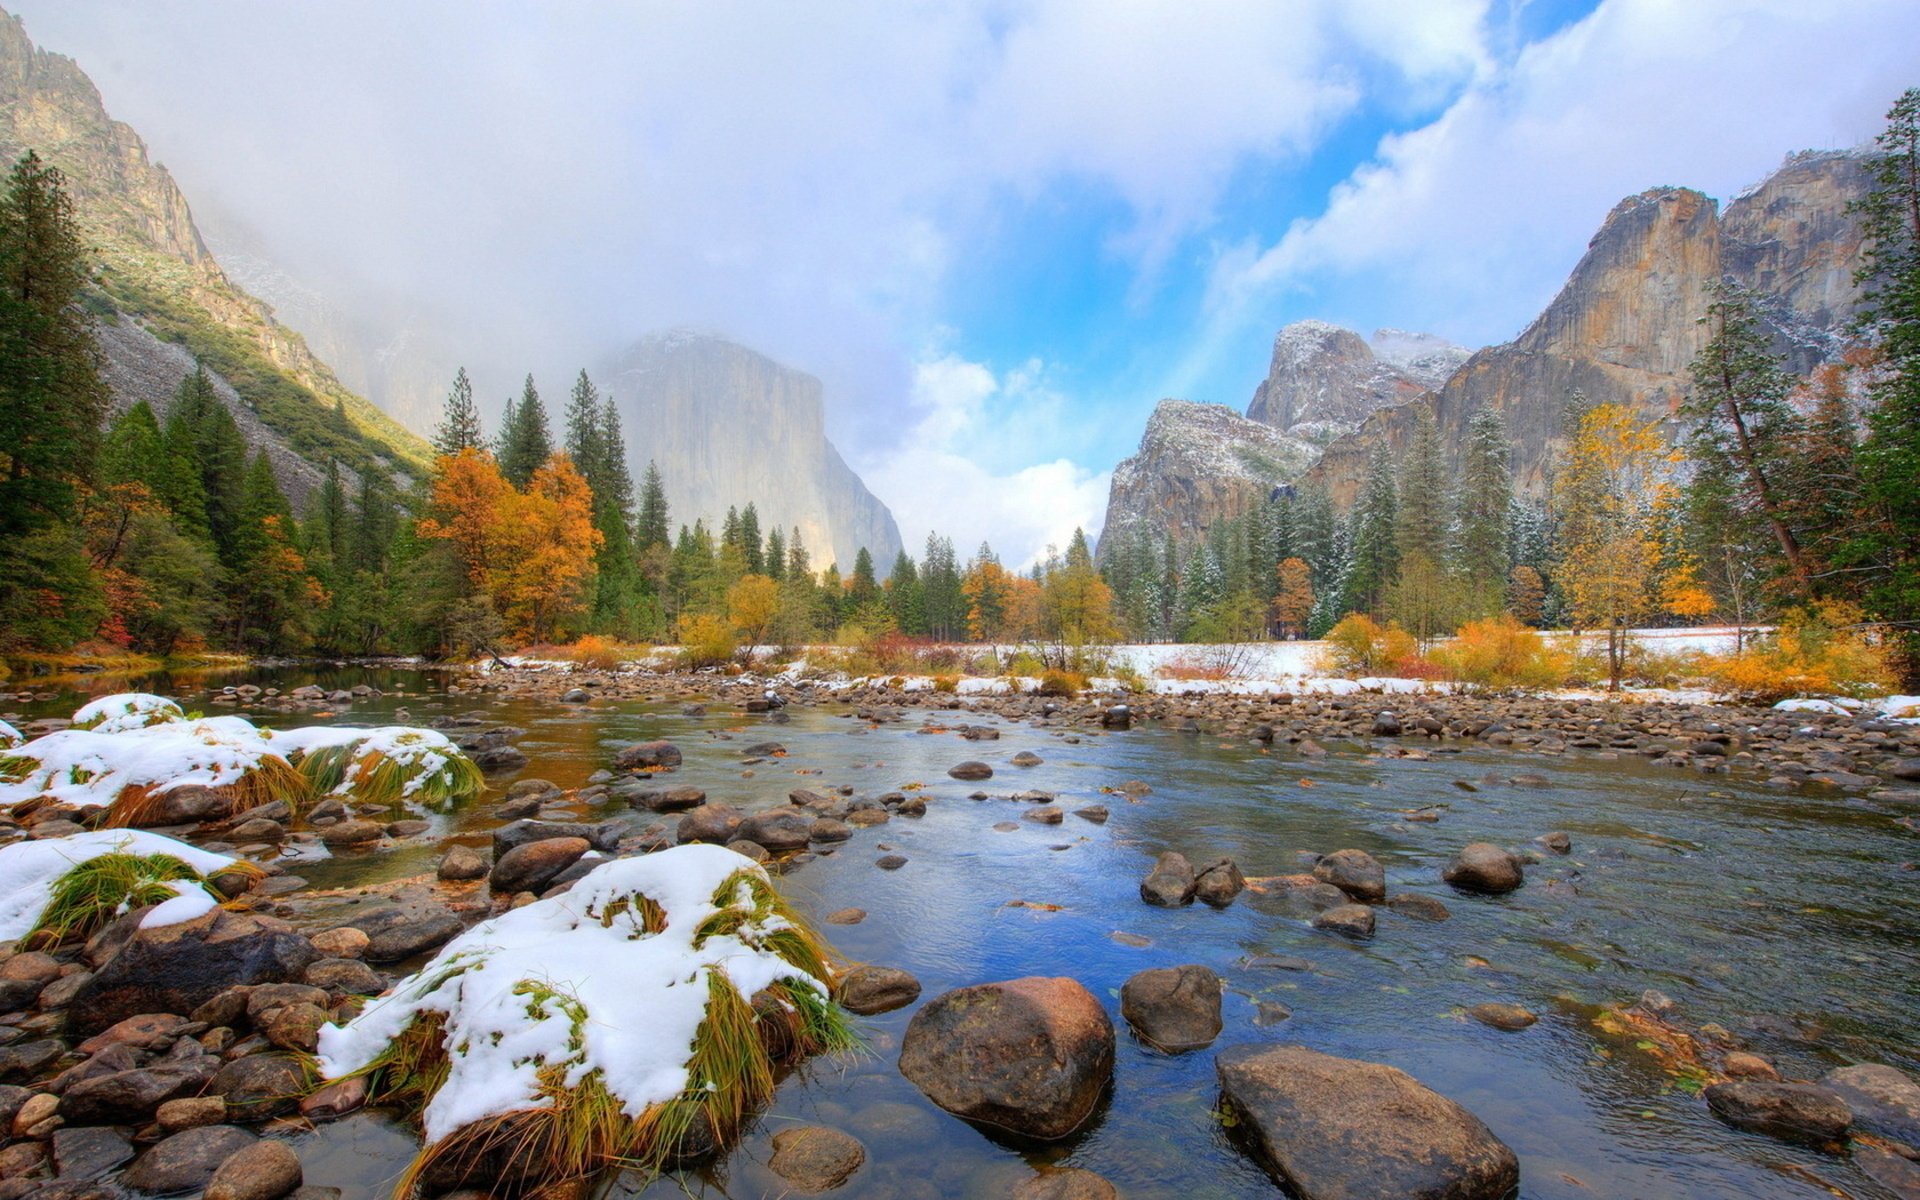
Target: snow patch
128,710
28,870
91,768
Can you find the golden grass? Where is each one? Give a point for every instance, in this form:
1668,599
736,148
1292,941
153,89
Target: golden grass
271,779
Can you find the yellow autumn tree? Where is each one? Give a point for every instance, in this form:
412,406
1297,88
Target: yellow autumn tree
1610,500
1293,598
753,604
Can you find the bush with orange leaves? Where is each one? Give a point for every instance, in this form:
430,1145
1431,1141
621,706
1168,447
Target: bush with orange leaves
1360,645
706,641
1500,652
1824,648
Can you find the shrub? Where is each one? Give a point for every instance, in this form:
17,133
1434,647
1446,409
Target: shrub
946,683
1821,648
1360,645
1500,652
594,653
706,641
1062,683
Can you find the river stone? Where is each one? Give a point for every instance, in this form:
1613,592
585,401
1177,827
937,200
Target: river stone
1064,1183
1485,868
1898,1175
971,770
1348,920
890,862
715,823
28,1060
1339,1129
348,975
461,863
1884,1100
642,755
531,867
89,1152
1354,872
266,1170
867,990
1173,1008
602,836
846,916
1413,904
677,799
1801,1112
186,1161
344,942
1046,814
259,1086
402,931
1218,883
750,850
1170,884
1027,758
778,829
814,1158
191,1112
176,968
353,833
1030,1055
335,1099
130,1097
1510,1017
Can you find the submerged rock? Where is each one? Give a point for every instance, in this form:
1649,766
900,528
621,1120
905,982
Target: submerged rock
867,990
1354,921
1884,1100
1484,868
1802,1112
658,755
971,770
1340,1129
814,1158
1031,1055
186,1161
1064,1183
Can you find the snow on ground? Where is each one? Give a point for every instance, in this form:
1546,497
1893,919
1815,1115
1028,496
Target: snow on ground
91,768
636,999
28,871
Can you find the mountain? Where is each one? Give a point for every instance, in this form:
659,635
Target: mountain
1626,326
1324,381
162,298
728,426
1198,462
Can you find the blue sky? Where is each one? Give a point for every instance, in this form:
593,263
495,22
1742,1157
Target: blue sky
998,230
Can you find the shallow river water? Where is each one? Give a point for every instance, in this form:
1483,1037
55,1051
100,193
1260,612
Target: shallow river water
1791,919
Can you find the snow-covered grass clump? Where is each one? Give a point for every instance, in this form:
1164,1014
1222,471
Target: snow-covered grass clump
9,736
393,766
71,886
636,1018
132,769
129,710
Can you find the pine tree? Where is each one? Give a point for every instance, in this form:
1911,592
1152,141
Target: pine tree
459,427
775,555
940,585
1314,535
1373,560
525,440
204,434
585,434
1482,550
1422,512
750,543
652,525
905,599
863,588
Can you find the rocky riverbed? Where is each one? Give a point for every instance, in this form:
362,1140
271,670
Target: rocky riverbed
1619,949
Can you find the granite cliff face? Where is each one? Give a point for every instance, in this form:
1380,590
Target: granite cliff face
1324,380
155,272
1198,462
1626,327
727,427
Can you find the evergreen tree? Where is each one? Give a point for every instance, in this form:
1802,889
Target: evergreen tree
905,599
1421,519
459,427
940,586
1482,552
775,555
209,440
585,433
863,589
1314,536
1373,560
750,543
652,527
525,440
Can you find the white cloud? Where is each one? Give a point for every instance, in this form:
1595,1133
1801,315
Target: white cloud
939,479
1469,224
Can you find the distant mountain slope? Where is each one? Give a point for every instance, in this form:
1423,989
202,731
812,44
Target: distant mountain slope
1626,327
728,426
155,271
1323,381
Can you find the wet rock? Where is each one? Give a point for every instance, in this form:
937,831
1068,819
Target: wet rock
1556,841
1484,868
826,830
144,1031
348,975
266,1170
604,835
1898,1175
751,850
1742,1065
461,863
1097,813
344,942
1802,1112
89,1152
1030,1055
890,862
677,799
1046,814
530,868
175,968
1064,1183
335,1099
352,833
1386,724
1027,758
778,829
407,828
1412,904
1171,883
1510,1017
1339,1129
1117,717
1173,1008
642,755
130,1097
260,1086
867,818
186,1161
1884,1100
715,823
1354,921
402,931
868,990
191,1112
575,696
257,830
847,916
971,770
14,1101
1218,883
1354,872
814,1158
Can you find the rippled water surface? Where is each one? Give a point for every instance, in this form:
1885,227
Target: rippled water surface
1792,919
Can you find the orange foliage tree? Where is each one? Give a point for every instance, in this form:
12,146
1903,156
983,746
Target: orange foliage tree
1293,601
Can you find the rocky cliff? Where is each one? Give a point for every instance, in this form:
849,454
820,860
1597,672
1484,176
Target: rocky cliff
728,426
1198,462
1626,326
1323,380
154,270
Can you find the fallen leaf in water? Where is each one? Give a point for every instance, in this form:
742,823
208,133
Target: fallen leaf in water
1566,1178
1035,905
1306,783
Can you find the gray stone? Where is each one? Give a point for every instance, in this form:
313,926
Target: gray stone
1484,868
186,1161
1354,872
1799,1112
266,1170
1170,884
1173,1008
